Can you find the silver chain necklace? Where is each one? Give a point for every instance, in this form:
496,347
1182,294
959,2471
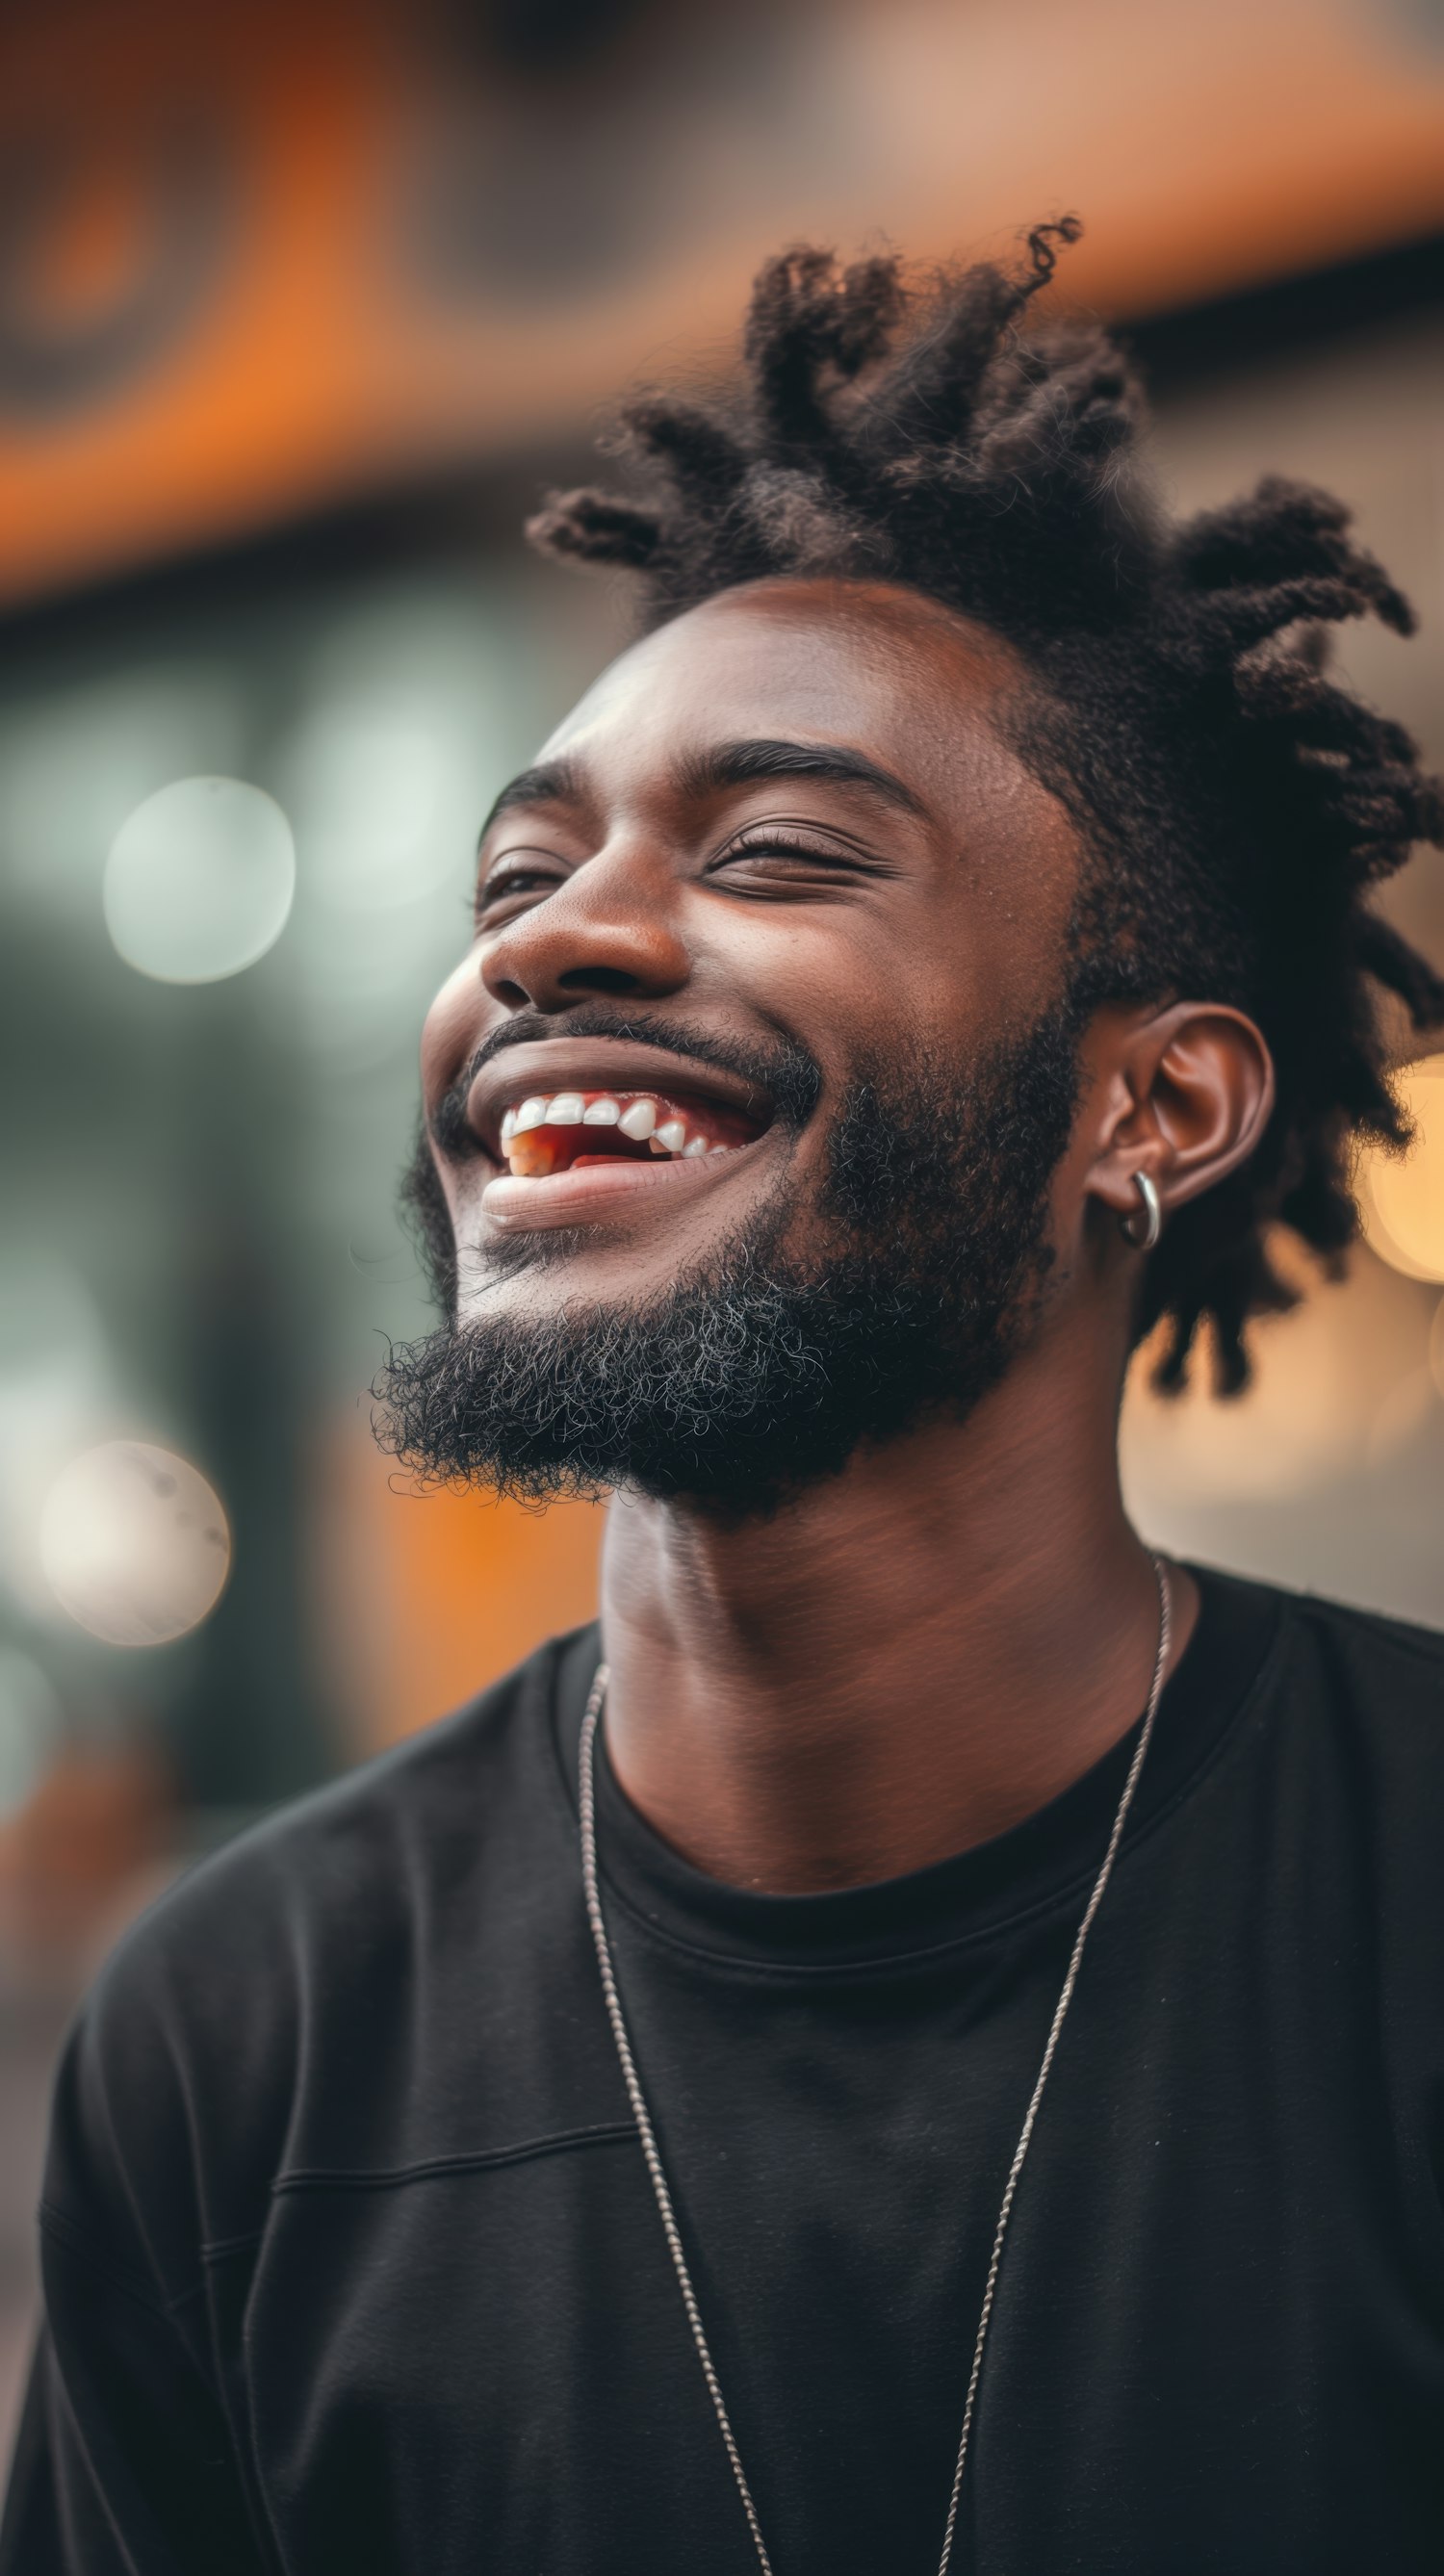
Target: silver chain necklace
586,1802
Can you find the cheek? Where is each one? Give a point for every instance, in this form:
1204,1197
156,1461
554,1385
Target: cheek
985,963
823,971
450,1031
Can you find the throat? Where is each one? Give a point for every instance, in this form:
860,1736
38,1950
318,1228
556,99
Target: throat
799,1712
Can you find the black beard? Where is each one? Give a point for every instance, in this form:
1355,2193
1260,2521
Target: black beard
754,1377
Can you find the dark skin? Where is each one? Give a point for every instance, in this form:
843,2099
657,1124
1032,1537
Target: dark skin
917,1654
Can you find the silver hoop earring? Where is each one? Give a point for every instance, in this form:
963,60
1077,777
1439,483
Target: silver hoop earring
1152,1213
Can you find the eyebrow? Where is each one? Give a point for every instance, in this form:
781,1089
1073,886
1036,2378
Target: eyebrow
748,763
751,763
549,782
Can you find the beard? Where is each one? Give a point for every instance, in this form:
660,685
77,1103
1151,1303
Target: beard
760,1373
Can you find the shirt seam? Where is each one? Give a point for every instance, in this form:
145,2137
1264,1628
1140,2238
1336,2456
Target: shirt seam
304,2178
1026,1919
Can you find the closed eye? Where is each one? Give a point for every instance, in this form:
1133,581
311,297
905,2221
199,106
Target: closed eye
773,858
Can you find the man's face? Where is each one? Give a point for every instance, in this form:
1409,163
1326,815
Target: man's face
834,920
756,1051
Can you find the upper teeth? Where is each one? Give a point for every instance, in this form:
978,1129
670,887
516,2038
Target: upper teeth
635,1117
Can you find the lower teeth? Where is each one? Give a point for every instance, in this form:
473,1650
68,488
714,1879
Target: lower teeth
530,1159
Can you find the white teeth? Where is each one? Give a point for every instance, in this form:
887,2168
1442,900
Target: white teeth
565,1110
508,1129
694,1146
639,1120
717,1149
602,1113
671,1135
532,1113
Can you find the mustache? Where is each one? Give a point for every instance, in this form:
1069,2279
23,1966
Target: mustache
790,1076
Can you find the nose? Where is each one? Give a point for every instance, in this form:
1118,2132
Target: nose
611,928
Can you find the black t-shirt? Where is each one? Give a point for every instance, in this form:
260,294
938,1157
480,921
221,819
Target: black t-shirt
352,2265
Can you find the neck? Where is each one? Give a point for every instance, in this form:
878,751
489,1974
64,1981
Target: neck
899,1664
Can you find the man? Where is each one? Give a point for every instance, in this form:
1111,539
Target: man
860,2081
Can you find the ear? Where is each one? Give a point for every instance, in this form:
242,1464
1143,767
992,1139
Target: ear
1182,1094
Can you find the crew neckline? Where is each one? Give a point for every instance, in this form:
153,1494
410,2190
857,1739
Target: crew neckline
969,1896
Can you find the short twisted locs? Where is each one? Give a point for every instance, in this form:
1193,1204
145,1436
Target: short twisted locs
1237,805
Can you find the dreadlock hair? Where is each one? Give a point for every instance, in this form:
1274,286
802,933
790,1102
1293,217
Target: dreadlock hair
1236,804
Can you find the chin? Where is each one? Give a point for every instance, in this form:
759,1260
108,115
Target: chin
540,1274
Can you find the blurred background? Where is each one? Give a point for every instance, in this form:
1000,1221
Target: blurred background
299,306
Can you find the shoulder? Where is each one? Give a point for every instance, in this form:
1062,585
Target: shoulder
1387,1670
302,1945
1371,1689
346,1863
1332,1654
1347,1708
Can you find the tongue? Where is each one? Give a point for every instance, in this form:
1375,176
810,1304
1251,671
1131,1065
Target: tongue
625,1151
561,1149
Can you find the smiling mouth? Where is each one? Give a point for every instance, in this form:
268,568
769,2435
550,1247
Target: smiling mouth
569,1131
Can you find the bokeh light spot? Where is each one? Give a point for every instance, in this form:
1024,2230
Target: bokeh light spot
200,880
1401,1197
134,1543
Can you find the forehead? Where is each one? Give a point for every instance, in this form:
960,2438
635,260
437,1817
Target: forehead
864,664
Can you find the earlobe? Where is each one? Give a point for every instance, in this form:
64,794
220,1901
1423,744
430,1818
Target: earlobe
1143,1232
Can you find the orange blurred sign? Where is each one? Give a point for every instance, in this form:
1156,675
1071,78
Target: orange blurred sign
254,260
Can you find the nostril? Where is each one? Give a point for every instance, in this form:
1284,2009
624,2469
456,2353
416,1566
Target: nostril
599,979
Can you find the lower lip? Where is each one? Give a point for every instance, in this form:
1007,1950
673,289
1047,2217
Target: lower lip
603,1189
